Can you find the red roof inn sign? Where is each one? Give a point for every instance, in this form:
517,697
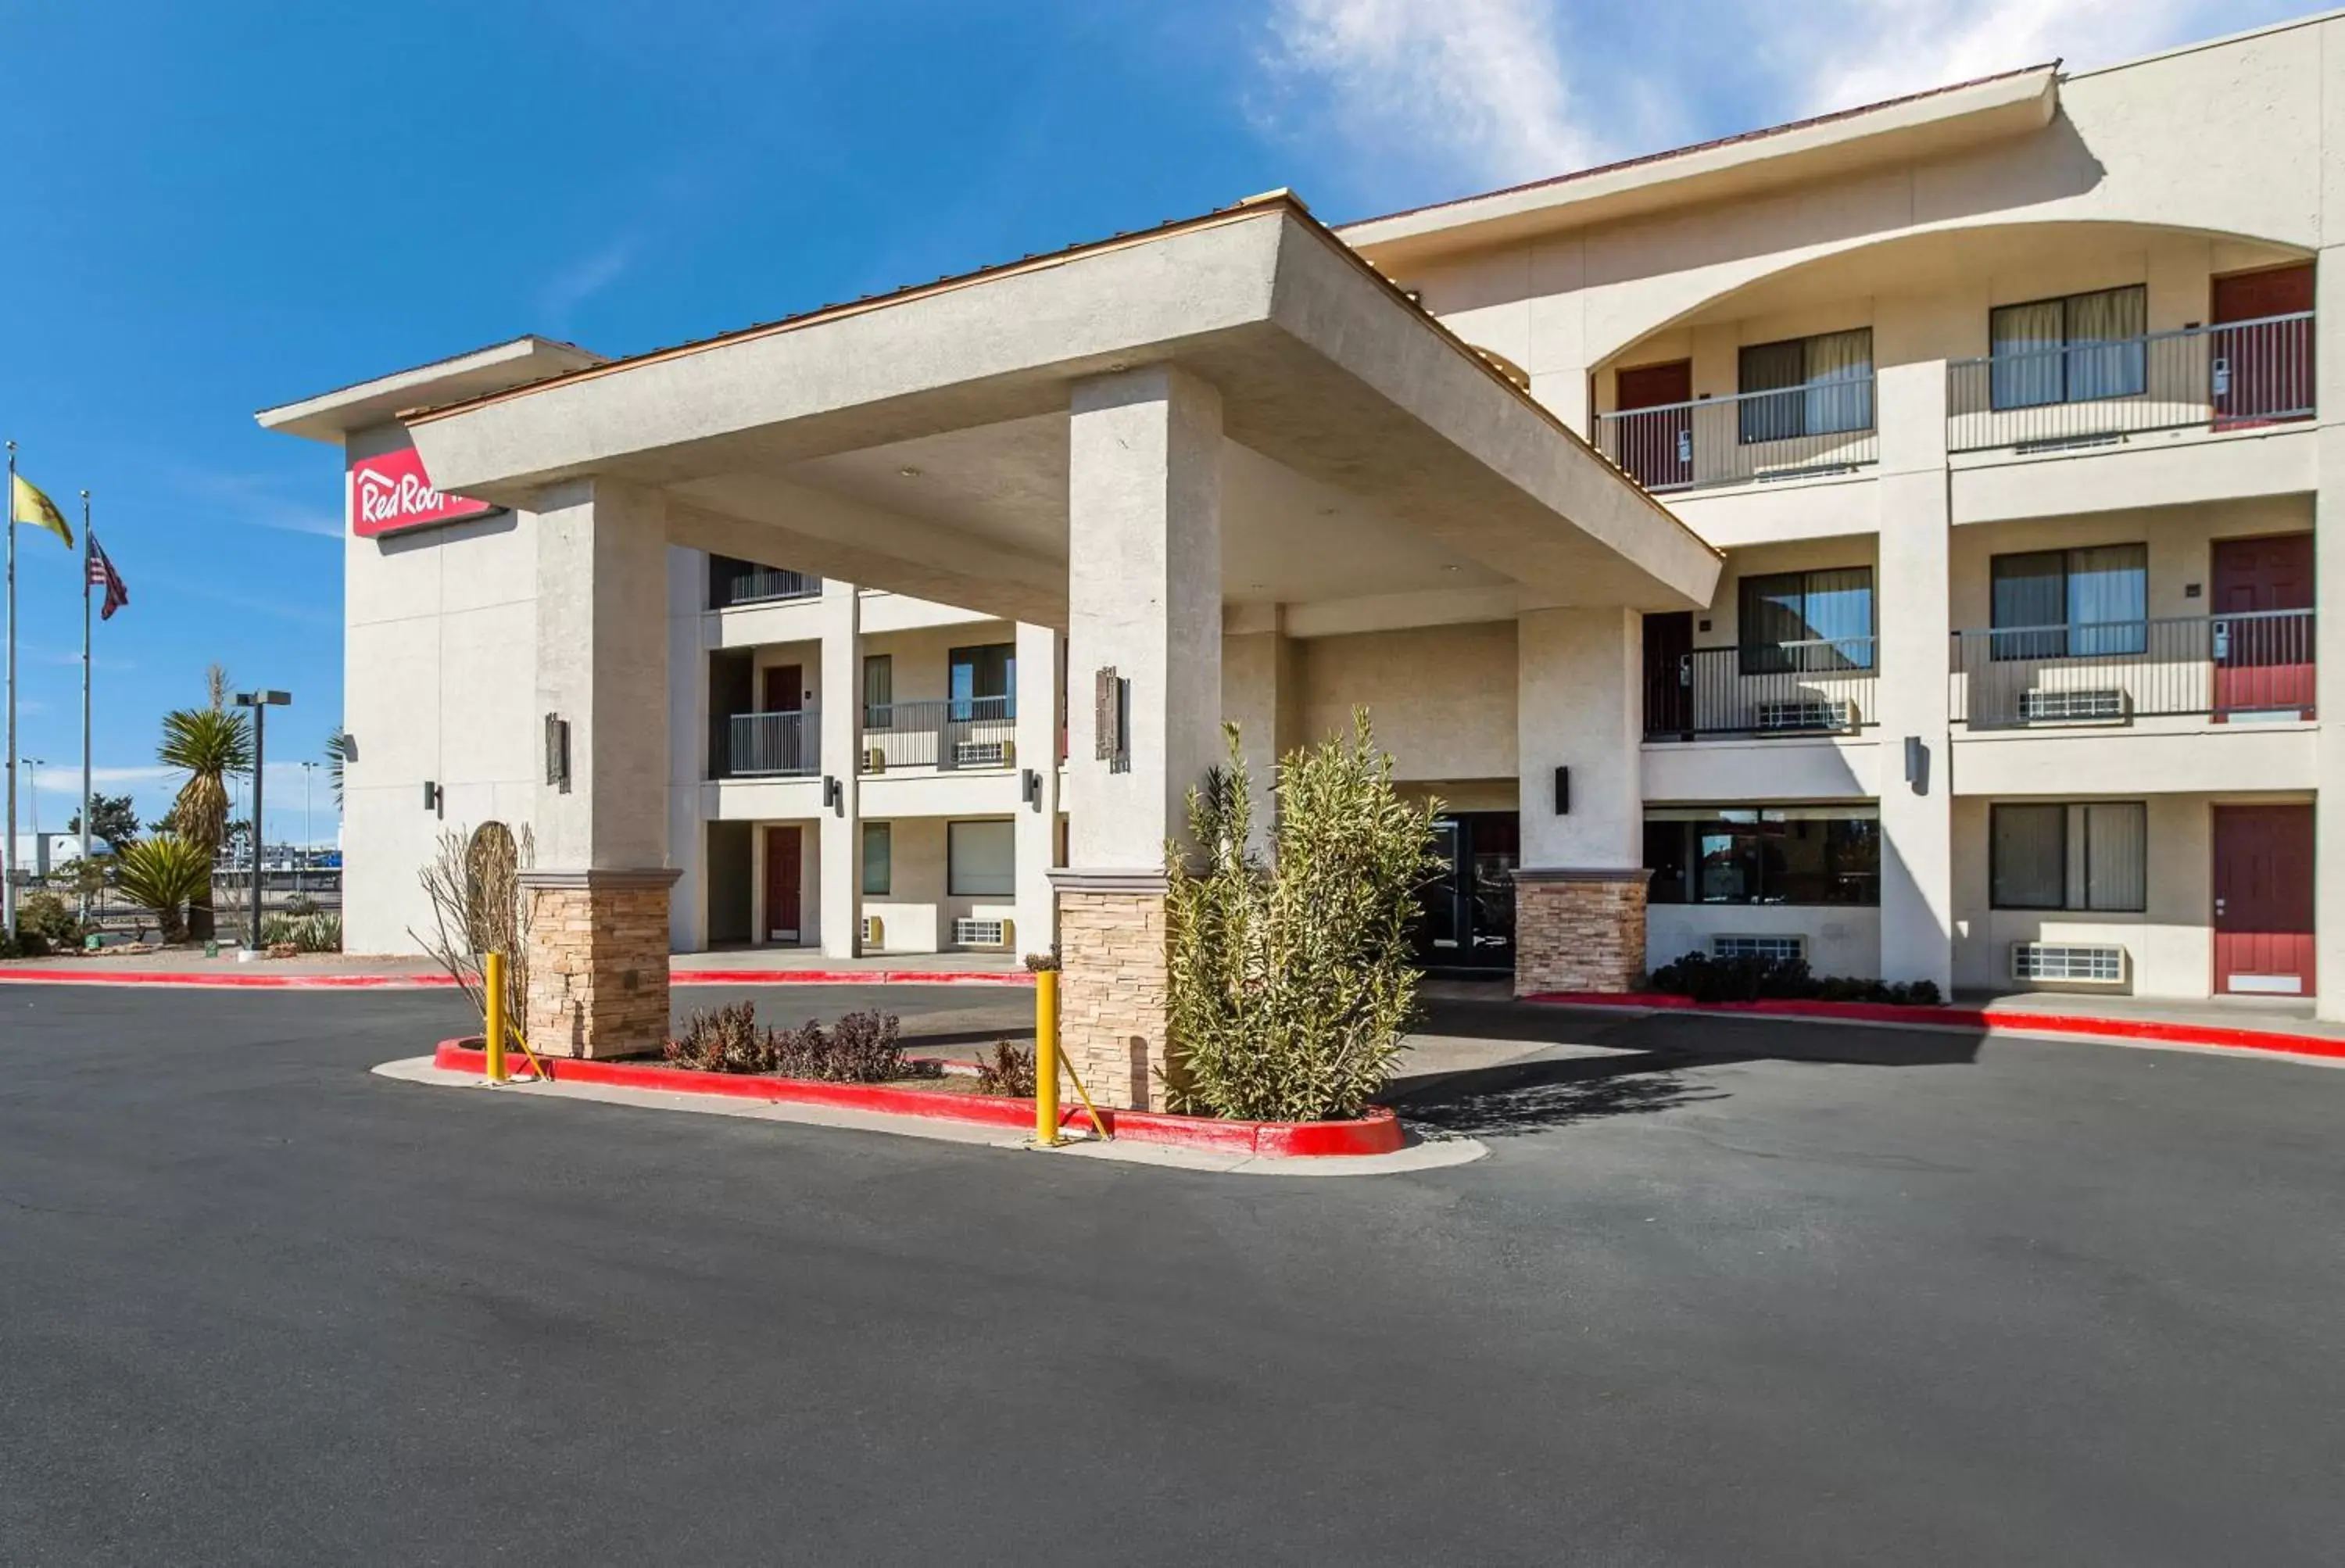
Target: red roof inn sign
390,493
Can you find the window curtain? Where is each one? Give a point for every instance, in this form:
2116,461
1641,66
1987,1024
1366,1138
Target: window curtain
2029,611
2105,353
2027,857
1774,371
2116,856
1840,381
981,859
2108,600
879,857
2024,368
878,691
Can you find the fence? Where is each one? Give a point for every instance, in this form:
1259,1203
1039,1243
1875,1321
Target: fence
1789,433
959,732
1816,687
765,745
734,583
2111,671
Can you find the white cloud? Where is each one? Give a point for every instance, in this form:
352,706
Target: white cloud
583,279
252,498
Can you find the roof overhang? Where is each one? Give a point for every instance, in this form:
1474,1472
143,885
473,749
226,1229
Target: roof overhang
1926,124
332,416
1322,364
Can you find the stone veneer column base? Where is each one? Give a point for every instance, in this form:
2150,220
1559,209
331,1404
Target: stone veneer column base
1578,930
597,945
1111,984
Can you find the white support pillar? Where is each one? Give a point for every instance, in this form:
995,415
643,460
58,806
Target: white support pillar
1144,650
1259,695
1579,891
2328,593
687,745
598,894
1041,681
1912,611
840,729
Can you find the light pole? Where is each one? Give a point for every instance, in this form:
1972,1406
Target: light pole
260,702
33,766
302,859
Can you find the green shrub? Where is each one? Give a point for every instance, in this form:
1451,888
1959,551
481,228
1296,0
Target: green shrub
302,933
45,915
1289,986
1006,1069
162,875
860,1048
723,1040
1705,978
24,944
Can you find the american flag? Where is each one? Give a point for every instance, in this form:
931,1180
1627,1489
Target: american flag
102,574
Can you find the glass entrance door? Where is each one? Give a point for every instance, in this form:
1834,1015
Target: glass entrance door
1467,907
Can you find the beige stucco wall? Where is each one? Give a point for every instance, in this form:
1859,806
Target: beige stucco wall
1441,699
1840,940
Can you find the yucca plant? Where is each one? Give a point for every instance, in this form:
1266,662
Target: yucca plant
211,746
1291,985
164,874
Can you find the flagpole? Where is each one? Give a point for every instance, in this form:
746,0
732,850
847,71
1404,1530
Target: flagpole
8,895
88,544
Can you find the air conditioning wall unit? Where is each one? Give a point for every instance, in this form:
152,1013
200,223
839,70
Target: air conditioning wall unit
971,932
875,760
2109,707
1823,713
874,932
1781,949
984,753
2070,964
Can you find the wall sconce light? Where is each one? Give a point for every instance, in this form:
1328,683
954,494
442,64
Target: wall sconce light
833,797
1563,791
1917,765
557,752
1030,788
430,796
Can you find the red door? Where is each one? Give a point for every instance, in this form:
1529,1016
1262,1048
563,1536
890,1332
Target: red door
785,688
2262,629
1657,449
783,870
2263,901
2262,371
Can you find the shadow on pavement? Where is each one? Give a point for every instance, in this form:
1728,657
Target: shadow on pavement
1526,1096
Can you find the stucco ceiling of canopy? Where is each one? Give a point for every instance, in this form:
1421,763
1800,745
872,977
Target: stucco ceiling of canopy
1953,261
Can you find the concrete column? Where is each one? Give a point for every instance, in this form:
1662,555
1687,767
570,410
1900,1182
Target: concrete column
1144,602
1579,892
841,725
1042,669
1260,691
1912,610
598,895
2328,593
687,747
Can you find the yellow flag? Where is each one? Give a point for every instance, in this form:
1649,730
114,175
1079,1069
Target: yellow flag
27,504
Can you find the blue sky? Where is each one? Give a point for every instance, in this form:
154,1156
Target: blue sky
216,208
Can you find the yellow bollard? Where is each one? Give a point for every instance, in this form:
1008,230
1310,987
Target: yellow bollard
1046,1059
493,981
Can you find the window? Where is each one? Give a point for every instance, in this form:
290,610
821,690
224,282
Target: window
1827,616
878,859
2070,350
2059,604
1809,386
981,859
2069,857
984,681
1764,855
878,691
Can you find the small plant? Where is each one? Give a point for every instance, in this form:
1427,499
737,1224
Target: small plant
311,932
473,884
1704,977
860,1048
163,874
723,1040
1006,1069
46,916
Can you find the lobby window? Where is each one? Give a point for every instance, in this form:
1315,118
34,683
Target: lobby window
878,691
2069,857
2059,604
1764,855
1828,614
984,681
878,859
981,859
2073,349
1811,386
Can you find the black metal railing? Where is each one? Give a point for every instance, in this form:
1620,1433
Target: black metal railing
767,744
2233,376
2108,672
1800,688
956,732
1790,433
731,582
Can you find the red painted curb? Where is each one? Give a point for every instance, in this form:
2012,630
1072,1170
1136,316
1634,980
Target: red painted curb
1377,1133
2157,1031
419,981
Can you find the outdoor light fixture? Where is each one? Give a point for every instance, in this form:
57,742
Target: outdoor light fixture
260,702
1917,765
833,797
1563,791
430,796
557,752
1030,788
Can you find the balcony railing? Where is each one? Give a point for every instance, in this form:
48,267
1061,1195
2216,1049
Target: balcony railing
1803,689
1793,432
767,744
2112,671
732,583
2233,376
959,732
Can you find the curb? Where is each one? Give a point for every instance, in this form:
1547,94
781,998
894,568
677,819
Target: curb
214,981
2145,1031
1377,1132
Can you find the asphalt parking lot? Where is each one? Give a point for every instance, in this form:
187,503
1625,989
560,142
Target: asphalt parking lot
1723,1292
